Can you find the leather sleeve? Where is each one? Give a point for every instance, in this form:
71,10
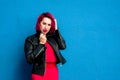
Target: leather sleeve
31,53
59,39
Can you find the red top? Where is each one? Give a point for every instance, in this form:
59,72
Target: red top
50,55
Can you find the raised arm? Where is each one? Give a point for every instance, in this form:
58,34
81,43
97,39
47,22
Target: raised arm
58,37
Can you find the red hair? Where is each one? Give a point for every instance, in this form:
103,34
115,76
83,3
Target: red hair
48,15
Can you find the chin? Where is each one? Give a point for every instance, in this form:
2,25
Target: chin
44,32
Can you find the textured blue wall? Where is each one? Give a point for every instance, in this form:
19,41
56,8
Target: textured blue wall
91,29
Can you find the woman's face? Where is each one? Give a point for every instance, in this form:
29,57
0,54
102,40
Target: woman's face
45,25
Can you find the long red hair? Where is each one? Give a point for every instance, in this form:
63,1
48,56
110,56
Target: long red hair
48,15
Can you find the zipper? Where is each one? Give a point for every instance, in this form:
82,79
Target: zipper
45,63
40,51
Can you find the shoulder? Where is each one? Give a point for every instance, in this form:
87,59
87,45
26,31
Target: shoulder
30,37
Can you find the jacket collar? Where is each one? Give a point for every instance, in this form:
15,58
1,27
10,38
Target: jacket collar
48,35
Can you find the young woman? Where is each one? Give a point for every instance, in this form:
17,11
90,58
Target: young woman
42,48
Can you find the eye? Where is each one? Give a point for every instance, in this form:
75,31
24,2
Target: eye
49,24
44,23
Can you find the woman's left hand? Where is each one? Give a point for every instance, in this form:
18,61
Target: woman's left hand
55,24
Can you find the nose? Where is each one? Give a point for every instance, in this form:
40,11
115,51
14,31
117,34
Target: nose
45,26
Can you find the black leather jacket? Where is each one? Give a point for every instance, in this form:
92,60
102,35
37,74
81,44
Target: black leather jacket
35,52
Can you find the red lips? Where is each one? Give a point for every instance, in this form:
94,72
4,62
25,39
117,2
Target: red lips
45,30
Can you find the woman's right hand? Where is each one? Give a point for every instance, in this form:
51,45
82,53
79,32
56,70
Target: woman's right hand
42,38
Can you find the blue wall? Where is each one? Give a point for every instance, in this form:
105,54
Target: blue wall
91,29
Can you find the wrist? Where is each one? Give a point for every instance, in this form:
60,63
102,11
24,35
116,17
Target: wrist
42,42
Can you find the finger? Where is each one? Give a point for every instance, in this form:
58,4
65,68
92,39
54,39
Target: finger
55,24
41,35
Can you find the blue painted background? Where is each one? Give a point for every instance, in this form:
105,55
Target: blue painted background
91,29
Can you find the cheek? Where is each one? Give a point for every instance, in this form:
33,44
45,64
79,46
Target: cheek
49,28
41,27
